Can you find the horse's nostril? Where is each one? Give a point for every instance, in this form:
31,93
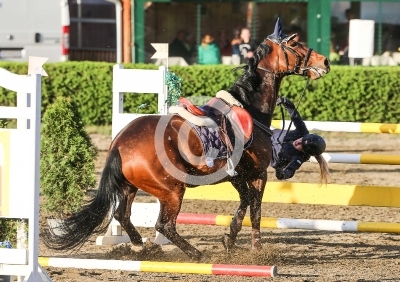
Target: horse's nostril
326,62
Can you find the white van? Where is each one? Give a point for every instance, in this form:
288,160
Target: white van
34,28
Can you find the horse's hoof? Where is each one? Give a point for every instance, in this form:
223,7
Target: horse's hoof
205,258
256,245
197,256
227,242
152,247
137,247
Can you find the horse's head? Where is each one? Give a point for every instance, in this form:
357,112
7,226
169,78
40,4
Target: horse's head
287,56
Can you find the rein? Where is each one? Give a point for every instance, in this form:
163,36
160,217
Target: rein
296,107
263,127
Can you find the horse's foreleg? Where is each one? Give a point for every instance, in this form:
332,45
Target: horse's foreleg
237,220
166,224
256,190
123,216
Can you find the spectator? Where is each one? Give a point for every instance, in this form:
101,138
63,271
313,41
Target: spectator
235,47
224,44
225,48
190,44
177,47
344,43
247,45
208,51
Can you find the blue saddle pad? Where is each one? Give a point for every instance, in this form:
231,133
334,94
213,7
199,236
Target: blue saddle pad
212,144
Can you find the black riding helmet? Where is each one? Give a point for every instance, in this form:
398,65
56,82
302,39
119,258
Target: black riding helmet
313,144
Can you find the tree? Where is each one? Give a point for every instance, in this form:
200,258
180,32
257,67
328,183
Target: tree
67,158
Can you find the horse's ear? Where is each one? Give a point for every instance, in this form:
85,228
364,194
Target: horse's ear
278,35
278,28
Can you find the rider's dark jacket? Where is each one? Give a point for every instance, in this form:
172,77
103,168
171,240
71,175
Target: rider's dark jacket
285,158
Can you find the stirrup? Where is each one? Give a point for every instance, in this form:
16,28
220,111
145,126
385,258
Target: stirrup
231,169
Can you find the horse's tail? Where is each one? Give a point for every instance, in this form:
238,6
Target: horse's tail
76,229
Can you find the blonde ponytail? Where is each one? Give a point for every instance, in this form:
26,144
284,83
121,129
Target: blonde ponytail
324,169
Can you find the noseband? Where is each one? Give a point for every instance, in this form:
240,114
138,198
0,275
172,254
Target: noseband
284,47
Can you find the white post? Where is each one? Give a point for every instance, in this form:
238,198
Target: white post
118,23
361,39
22,146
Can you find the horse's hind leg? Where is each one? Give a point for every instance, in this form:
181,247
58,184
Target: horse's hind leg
170,206
256,192
236,224
123,215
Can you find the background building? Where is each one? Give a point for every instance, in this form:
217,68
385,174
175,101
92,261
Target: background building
321,24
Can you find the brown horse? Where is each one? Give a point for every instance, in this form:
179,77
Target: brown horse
162,155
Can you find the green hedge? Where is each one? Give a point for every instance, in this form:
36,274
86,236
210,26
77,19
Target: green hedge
358,94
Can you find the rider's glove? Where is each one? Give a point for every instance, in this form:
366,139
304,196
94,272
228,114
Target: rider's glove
281,100
285,102
284,174
279,174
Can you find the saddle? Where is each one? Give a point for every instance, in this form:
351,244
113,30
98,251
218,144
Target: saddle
214,113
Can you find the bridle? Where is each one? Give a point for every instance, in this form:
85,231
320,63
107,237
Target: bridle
285,48
302,71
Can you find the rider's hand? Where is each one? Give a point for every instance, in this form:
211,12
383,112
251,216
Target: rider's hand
288,173
285,102
279,174
281,100
284,174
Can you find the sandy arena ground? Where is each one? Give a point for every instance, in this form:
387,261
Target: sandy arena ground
300,255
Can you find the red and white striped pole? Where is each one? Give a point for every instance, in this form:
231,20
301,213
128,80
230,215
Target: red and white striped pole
165,267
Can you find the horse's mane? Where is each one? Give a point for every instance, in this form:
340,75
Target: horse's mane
248,83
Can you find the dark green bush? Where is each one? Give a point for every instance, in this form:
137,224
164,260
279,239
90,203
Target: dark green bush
67,158
8,230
